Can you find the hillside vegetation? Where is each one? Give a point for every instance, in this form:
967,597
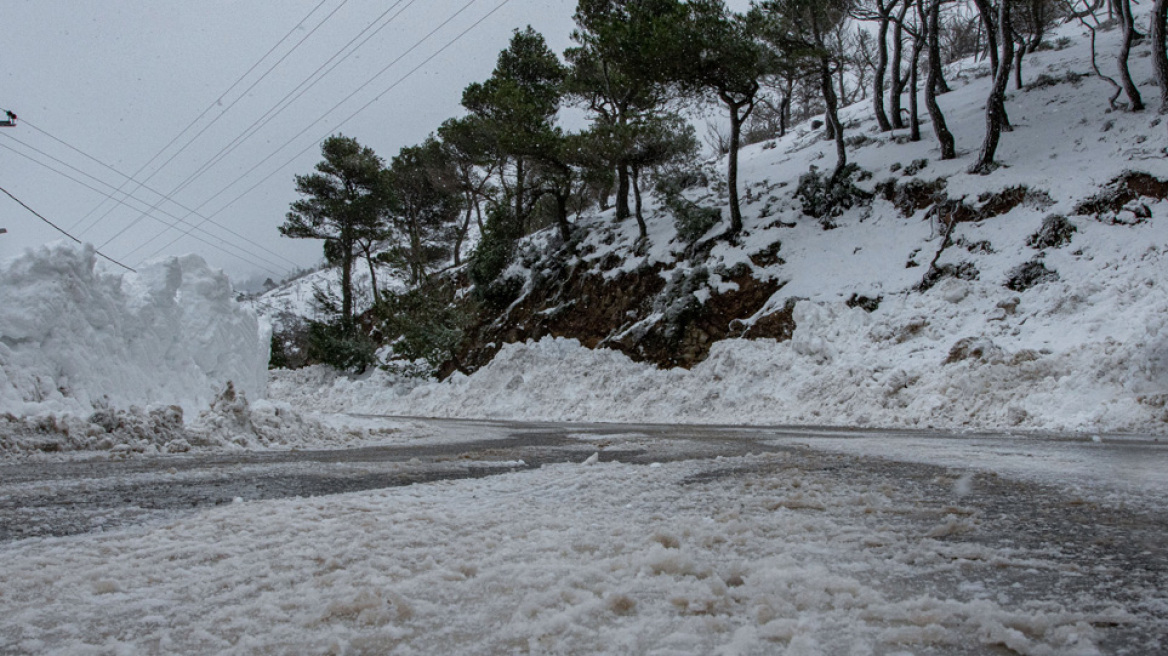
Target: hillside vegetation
910,290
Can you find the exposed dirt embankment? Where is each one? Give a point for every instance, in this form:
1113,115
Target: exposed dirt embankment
651,314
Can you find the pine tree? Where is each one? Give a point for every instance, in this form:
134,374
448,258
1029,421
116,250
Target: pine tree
616,74
518,105
345,202
716,51
425,208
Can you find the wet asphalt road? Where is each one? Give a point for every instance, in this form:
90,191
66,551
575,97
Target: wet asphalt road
71,497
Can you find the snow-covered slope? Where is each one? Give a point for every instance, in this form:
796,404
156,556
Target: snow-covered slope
75,336
1084,348
298,296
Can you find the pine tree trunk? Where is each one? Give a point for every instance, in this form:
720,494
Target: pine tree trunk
1019,54
986,11
372,273
732,165
785,108
914,112
832,116
641,227
1129,87
898,78
460,235
996,103
1159,51
347,281
881,66
622,191
562,217
936,73
416,271
520,174
944,137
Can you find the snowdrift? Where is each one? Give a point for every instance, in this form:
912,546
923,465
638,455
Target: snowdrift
74,338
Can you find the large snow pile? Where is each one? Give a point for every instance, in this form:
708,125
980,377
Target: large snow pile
75,337
1048,331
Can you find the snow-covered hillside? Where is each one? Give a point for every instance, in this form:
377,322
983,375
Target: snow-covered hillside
1033,331
298,296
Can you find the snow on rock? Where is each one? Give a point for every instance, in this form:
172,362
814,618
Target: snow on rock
75,337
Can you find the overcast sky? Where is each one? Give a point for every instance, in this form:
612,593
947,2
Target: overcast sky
119,79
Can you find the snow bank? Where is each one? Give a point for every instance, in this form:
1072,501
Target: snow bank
75,337
812,379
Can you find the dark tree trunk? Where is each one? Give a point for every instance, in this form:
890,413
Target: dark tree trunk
986,11
832,115
641,227
944,137
899,79
346,281
1159,51
936,73
996,103
1019,54
562,216
914,112
372,271
881,67
460,235
785,108
1129,87
622,191
520,174
416,271
736,121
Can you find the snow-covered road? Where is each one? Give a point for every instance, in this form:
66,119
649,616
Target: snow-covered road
677,540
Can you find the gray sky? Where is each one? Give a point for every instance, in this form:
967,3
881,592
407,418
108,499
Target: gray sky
119,79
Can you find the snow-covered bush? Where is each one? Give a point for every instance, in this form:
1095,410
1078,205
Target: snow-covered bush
824,199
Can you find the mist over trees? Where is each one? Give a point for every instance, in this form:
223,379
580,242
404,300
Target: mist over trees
643,72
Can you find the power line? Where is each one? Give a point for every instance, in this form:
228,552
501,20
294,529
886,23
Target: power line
299,90
60,230
277,109
122,201
154,218
141,186
350,117
224,95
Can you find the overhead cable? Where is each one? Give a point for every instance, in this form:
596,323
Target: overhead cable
142,186
347,119
122,201
295,94
220,99
61,230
